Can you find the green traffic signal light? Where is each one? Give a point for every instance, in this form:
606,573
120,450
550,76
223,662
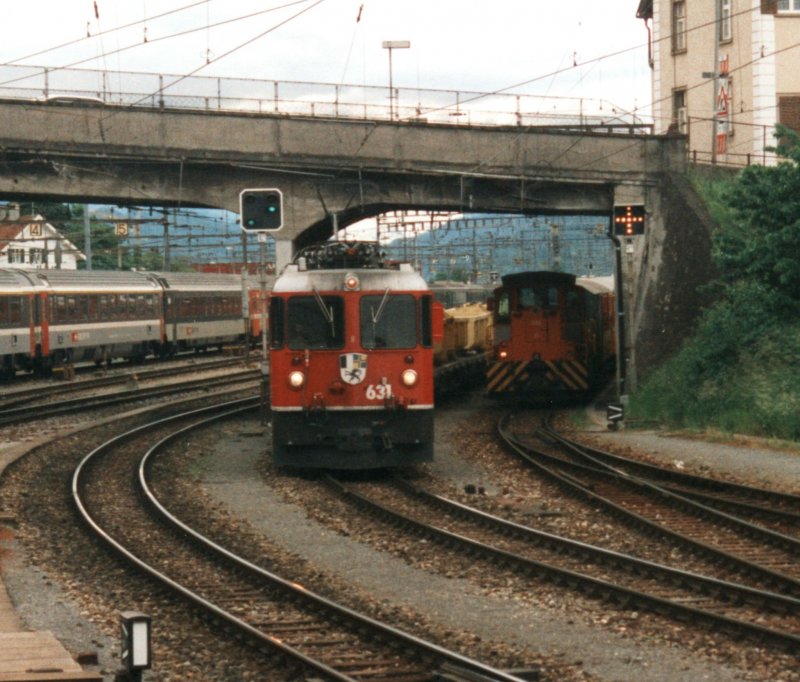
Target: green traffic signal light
261,209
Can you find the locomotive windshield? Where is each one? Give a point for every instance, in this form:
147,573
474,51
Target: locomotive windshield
388,321
538,297
315,322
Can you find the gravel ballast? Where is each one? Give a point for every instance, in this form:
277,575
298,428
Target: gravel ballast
231,475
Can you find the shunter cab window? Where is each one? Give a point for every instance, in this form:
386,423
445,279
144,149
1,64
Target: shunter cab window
502,306
388,321
538,297
315,322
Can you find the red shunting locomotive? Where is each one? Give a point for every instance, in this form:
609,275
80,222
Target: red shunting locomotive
554,337
351,361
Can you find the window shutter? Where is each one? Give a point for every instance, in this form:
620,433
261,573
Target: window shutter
769,6
789,111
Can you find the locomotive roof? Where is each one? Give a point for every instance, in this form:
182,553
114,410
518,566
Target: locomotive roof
404,278
594,285
530,278
92,280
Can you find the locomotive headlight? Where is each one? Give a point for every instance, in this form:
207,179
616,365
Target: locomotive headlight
296,379
409,377
503,355
351,282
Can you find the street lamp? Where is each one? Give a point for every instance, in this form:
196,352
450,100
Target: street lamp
393,45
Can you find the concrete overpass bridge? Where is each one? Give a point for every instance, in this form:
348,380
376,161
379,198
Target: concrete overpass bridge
334,172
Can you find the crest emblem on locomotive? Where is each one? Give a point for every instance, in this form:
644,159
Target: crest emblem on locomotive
353,367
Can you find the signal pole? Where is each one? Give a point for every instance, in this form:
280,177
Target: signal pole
262,273
261,211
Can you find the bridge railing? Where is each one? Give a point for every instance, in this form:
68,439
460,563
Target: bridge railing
206,93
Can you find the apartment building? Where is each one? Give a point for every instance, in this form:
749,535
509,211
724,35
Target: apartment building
724,73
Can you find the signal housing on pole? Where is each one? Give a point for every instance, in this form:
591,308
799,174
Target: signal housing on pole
261,210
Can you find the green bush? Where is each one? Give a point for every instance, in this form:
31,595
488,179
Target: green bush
757,392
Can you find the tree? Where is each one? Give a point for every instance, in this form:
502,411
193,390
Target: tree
760,246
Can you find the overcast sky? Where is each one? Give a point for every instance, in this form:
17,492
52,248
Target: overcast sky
578,49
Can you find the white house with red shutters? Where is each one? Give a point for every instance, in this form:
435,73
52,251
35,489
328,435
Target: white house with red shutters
31,242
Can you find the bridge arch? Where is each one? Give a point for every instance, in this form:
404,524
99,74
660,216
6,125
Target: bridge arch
355,168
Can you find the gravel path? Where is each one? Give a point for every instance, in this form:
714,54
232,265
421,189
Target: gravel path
756,461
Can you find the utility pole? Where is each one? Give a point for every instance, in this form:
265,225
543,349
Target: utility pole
474,254
87,237
165,223
715,87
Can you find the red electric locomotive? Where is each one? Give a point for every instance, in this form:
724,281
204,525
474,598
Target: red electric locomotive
554,336
351,361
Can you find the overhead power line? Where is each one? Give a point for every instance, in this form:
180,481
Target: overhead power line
179,34
104,32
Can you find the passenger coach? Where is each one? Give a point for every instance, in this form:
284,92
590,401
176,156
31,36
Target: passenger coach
54,318
351,361
96,316
18,304
201,310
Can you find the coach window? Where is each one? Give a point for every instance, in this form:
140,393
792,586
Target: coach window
315,322
15,310
10,310
389,321
72,309
60,312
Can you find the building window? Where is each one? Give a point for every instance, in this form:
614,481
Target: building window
789,5
789,111
35,256
680,116
725,21
679,26
16,255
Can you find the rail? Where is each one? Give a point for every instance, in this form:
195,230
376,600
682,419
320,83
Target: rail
325,100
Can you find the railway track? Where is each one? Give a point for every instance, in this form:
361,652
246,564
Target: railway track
779,511
624,580
11,396
26,413
271,612
762,557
